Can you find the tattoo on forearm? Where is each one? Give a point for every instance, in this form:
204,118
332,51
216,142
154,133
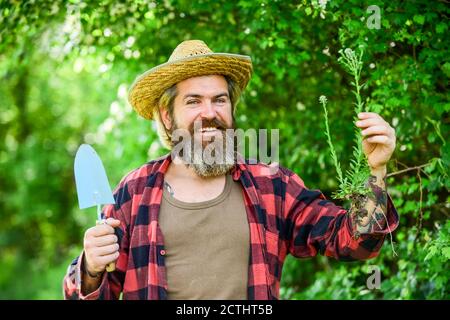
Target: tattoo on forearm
368,212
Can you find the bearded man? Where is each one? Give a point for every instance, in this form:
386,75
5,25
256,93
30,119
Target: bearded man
190,226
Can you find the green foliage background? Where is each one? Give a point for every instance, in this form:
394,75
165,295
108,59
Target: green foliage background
65,67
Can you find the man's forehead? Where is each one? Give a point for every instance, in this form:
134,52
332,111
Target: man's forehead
210,84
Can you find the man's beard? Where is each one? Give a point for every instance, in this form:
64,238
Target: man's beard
211,158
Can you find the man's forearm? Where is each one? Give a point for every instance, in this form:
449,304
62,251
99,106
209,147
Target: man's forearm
367,212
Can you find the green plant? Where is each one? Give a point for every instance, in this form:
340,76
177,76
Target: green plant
354,183
342,180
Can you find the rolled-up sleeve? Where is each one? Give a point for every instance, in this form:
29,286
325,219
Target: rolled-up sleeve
317,225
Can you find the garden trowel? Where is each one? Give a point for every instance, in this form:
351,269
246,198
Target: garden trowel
93,188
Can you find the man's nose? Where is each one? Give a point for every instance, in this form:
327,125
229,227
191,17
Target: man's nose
208,110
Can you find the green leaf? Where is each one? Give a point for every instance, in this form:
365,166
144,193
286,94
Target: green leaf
419,19
441,27
431,252
446,252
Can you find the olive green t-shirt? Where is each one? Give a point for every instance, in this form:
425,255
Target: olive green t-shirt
207,245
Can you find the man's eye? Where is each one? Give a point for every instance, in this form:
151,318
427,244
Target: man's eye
192,102
221,100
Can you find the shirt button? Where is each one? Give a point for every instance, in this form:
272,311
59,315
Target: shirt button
162,252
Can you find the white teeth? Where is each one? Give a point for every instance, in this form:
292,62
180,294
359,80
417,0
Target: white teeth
207,129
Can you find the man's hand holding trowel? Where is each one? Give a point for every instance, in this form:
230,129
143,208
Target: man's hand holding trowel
101,248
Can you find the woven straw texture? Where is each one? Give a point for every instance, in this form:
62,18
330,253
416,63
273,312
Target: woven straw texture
190,59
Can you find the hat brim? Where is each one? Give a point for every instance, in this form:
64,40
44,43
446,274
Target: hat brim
147,89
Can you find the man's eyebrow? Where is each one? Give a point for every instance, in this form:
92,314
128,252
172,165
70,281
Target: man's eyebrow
221,95
194,95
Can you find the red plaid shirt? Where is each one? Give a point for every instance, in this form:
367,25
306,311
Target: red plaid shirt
284,218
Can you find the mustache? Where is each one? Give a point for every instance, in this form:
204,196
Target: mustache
205,123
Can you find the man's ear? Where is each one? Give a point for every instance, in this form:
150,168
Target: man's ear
165,118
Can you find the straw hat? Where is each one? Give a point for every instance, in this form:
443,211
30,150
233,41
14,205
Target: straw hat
190,59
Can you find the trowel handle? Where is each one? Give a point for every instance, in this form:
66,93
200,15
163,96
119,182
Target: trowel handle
111,266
